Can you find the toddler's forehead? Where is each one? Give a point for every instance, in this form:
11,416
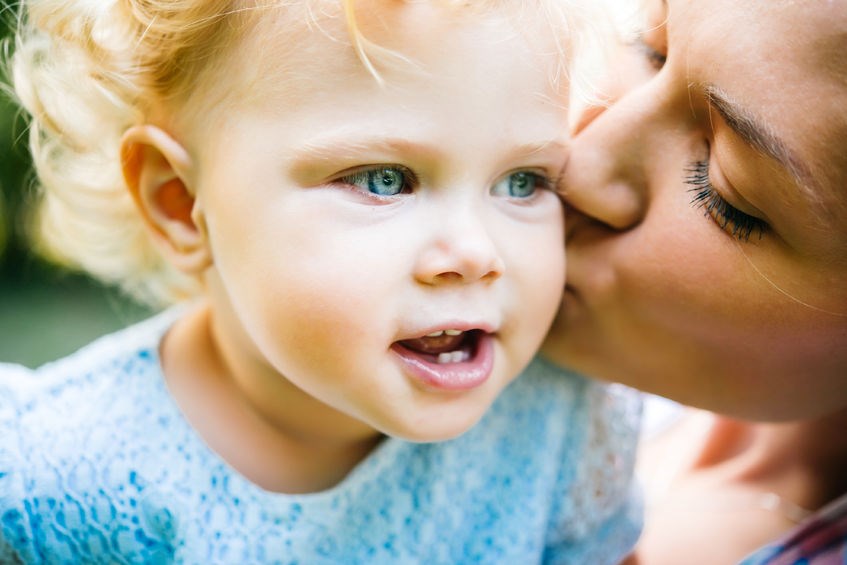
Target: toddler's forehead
285,49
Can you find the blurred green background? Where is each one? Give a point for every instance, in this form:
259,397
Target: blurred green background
45,312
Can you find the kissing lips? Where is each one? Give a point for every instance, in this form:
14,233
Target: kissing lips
448,360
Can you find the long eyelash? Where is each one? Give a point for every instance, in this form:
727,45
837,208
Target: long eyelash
732,220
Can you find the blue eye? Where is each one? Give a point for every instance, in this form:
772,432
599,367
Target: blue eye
381,181
522,184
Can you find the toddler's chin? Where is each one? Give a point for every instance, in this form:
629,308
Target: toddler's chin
431,432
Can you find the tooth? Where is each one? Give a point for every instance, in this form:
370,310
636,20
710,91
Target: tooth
457,356
437,334
453,332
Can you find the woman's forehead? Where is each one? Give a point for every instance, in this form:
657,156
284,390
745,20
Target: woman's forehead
781,64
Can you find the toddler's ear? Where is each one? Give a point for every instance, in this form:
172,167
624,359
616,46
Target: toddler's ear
156,169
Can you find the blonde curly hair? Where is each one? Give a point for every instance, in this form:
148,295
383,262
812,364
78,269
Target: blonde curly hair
88,70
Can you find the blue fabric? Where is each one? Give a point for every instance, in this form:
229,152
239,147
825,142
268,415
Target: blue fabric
98,465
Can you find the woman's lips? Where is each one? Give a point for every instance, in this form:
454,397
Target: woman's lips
463,365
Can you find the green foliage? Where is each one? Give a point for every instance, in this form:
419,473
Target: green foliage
14,160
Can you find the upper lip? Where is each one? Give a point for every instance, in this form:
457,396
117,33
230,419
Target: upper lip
424,331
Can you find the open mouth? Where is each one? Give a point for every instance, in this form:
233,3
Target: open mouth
448,359
447,346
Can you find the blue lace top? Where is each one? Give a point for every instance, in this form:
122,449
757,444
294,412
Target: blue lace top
98,465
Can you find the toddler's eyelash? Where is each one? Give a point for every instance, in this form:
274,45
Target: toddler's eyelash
732,220
656,59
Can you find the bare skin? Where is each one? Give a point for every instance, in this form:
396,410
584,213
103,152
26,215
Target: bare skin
714,478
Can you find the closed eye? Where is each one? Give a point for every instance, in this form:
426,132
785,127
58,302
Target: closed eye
733,221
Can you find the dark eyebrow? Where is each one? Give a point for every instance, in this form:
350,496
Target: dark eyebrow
756,133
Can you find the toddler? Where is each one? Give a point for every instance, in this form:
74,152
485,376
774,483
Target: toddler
349,207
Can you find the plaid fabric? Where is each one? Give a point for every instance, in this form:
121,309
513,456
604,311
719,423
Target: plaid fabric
820,540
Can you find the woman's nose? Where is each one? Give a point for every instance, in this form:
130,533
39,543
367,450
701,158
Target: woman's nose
617,143
606,178
461,250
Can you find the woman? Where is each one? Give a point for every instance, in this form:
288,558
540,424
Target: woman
707,262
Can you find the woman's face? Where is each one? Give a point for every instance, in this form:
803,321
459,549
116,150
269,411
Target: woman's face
707,235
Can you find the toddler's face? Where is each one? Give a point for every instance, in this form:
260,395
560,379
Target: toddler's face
356,228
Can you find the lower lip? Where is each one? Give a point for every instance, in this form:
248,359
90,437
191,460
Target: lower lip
450,376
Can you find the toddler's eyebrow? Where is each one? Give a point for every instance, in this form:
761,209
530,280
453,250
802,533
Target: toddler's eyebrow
331,150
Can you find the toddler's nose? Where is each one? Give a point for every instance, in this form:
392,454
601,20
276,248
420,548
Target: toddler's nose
461,250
